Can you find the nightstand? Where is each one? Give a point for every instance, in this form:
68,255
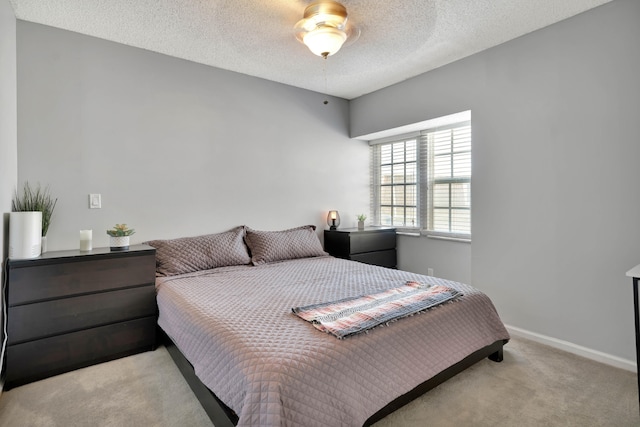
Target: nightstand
373,245
71,309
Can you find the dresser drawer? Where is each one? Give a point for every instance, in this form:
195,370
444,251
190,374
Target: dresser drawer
368,242
39,359
382,258
44,319
47,281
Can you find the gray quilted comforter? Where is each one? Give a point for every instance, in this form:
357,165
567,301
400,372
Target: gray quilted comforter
235,326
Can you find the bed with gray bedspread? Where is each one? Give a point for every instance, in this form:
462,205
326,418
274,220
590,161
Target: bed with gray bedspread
235,326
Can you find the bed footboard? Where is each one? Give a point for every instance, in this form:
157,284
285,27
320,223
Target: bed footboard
222,416
493,351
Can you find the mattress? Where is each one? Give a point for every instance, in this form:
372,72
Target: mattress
235,326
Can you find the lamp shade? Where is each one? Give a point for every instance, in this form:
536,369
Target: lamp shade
324,40
333,220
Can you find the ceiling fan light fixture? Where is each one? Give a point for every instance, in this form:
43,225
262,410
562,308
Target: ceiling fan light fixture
325,28
325,41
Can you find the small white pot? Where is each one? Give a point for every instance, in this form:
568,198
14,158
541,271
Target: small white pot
119,243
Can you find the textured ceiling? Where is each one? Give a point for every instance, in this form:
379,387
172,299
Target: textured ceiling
400,39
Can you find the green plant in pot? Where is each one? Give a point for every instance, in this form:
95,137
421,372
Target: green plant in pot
36,199
361,220
119,237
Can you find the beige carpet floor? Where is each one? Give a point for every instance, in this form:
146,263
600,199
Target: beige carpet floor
534,386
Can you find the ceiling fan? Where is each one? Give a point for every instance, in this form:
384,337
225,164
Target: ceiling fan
325,28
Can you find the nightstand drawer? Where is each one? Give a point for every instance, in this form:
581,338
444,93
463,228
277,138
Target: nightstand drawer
50,356
44,319
382,258
368,242
48,281
372,245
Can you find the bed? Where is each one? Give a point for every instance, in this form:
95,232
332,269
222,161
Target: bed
232,330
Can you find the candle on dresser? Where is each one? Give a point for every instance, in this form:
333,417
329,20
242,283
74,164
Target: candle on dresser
85,240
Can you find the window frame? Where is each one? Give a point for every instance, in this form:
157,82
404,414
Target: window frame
408,159
424,182
432,181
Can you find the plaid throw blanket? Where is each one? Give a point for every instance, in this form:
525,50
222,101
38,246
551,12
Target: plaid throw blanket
351,316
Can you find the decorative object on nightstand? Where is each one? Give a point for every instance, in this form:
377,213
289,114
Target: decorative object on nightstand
119,237
25,235
71,309
333,220
361,219
86,237
36,199
374,245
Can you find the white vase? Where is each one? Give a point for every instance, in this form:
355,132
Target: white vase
25,234
119,243
360,225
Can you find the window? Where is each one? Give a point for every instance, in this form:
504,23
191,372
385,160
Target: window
398,183
422,181
449,180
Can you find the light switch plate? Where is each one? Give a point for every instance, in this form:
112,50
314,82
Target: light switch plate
95,201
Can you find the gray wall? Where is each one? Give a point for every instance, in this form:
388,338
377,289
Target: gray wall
8,124
555,186
8,118
449,260
176,148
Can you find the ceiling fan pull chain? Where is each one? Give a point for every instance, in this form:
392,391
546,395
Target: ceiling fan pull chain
324,72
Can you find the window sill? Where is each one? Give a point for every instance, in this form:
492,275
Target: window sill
412,233
448,238
408,233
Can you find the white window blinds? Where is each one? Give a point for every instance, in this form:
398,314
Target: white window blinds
447,155
422,182
398,183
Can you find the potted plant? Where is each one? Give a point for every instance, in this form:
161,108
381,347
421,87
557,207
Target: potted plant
119,237
36,199
361,219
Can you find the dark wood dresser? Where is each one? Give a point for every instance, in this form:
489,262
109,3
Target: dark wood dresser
374,245
71,309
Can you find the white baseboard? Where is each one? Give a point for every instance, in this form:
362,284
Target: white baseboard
598,356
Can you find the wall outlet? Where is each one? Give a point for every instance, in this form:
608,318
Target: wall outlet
429,271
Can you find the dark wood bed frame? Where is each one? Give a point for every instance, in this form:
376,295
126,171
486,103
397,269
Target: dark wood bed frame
222,416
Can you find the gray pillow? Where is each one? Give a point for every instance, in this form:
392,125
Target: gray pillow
189,254
271,246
